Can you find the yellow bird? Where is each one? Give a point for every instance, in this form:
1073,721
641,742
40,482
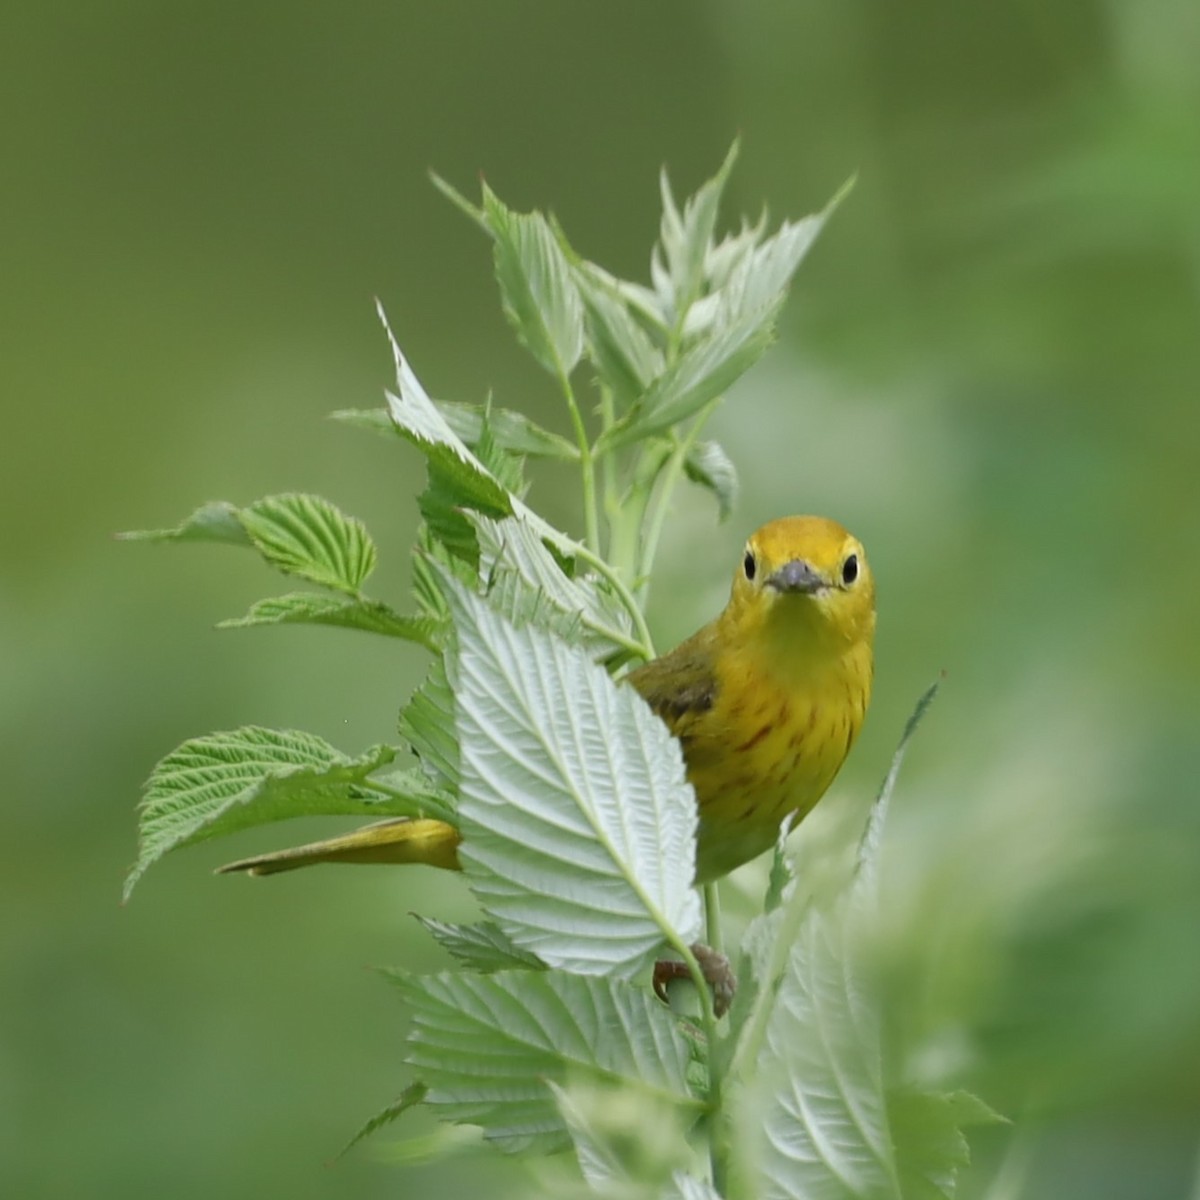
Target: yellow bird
766,701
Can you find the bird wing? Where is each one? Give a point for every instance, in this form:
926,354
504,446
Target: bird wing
681,688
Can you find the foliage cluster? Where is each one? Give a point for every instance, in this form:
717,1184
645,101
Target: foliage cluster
578,822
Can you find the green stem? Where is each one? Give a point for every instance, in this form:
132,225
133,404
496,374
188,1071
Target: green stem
587,467
645,645
668,478
754,1028
712,918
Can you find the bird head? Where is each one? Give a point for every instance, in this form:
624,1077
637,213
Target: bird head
805,577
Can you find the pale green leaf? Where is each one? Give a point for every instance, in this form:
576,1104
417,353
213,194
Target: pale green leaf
628,1143
465,478
708,465
526,582
624,356
412,1095
217,521
931,1148
316,608
685,240
228,781
481,947
820,1108
487,1045
579,826
867,862
307,536
702,373
687,1187
539,296
511,431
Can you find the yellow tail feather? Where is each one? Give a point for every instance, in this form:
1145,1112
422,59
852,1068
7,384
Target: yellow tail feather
395,841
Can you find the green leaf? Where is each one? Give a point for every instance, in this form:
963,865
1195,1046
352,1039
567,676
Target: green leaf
482,947
512,431
624,356
685,240
820,1103
708,465
296,533
373,420
412,1095
224,782
427,724
579,827
867,861
316,608
217,521
527,583
627,1143
536,288
688,1187
931,1148
782,876
457,479
307,536
702,373
488,1045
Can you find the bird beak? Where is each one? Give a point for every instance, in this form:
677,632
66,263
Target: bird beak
798,576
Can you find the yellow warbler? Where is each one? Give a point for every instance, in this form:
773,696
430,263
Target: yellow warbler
766,701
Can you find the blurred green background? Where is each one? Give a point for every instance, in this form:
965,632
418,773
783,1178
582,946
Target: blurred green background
989,370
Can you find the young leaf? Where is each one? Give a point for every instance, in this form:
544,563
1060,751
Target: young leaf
483,947
579,827
685,240
229,781
623,355
866,863
539,295
315,608
307,536
487,1045
702,373
217,521
708,465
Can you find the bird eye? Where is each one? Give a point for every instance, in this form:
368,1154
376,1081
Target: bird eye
749,565
850,569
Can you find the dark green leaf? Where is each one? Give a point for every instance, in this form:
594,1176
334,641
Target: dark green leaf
427,724
307,536
412,1095
316,608
483,947
224,782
